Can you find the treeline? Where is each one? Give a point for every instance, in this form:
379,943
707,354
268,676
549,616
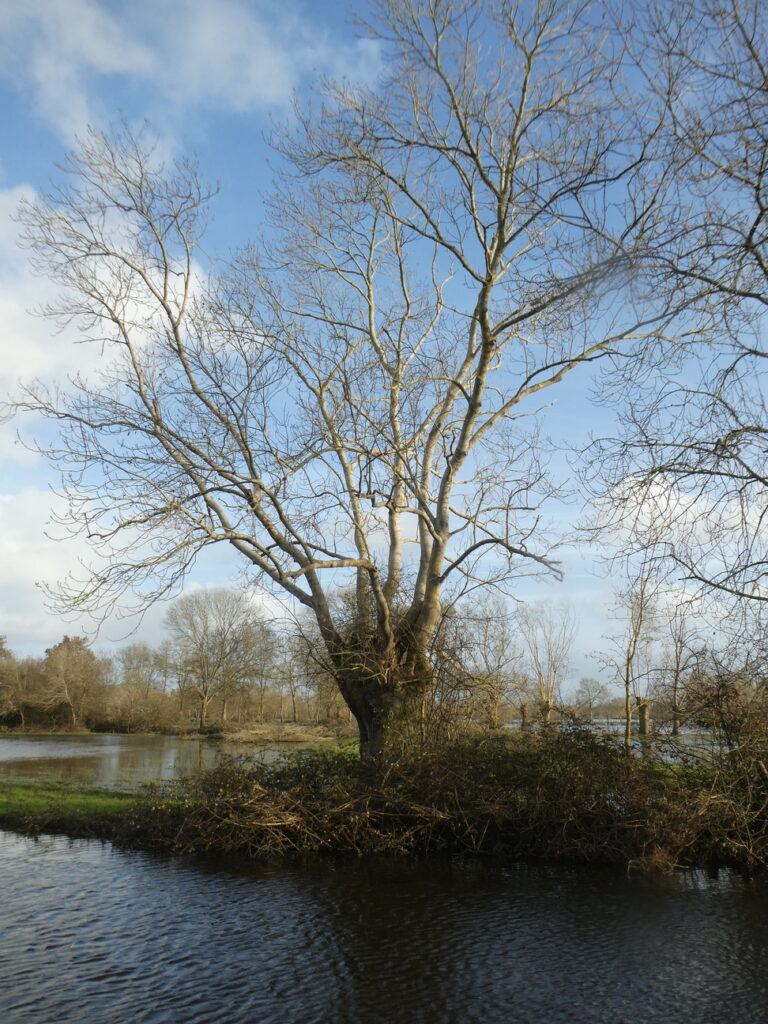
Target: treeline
223,666
145,689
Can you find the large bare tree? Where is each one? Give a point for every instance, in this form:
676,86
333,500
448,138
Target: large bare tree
547,635
353,404
693,458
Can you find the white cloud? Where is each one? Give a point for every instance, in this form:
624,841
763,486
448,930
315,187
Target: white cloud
29,556
30,346
231,56
224,56
53,46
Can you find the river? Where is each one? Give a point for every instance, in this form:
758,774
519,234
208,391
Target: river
96,935
118,761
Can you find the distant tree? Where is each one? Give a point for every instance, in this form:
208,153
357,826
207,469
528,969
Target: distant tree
589,694
492,655
681,654
630,654
140,700
219,641
74,679
9,702
547,635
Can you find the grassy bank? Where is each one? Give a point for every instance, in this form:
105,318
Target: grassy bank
48,807
553,797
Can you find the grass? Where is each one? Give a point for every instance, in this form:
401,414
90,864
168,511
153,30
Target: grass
51,807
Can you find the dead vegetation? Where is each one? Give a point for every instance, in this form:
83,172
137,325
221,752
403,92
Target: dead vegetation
554,796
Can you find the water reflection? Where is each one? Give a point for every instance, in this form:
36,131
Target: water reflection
95,935
115,762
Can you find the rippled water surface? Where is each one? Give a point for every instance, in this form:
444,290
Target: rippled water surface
119,762
91,934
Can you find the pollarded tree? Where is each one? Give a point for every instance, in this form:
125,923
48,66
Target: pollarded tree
353,403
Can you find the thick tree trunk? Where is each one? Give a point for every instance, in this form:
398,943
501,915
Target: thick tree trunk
523,717
387,711
676,714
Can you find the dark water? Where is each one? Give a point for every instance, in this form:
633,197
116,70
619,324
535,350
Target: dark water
90,934
115,762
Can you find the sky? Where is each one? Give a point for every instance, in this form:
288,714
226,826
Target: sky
212,79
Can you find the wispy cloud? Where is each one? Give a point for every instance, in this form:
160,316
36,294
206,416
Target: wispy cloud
82,62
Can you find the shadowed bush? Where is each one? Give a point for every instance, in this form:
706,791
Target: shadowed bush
555,796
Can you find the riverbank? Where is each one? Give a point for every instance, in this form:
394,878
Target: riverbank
34,808
553,797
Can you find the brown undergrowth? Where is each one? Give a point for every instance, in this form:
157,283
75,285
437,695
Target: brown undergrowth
557,796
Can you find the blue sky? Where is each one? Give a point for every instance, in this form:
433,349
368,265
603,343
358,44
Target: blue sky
212,79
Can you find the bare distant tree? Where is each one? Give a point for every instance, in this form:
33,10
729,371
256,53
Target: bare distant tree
547,635
218,639
493,656
681,655
140,700
588,695
354,401
630,652
74,678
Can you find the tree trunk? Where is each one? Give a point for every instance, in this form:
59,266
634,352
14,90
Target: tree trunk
644,713
386,713
523,717
676,715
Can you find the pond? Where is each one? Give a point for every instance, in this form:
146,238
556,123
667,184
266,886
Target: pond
117,761
101,936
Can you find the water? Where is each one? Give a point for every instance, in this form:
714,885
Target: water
96,935
99,936
116,762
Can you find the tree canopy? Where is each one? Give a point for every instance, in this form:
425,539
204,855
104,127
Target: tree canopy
352,403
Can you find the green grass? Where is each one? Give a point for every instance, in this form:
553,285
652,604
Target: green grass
52,807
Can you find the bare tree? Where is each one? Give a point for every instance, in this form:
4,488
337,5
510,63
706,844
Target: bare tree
354,402
682,653
217,638
140,700
694,451
74,678
547,635
588,695
493,656
631,651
